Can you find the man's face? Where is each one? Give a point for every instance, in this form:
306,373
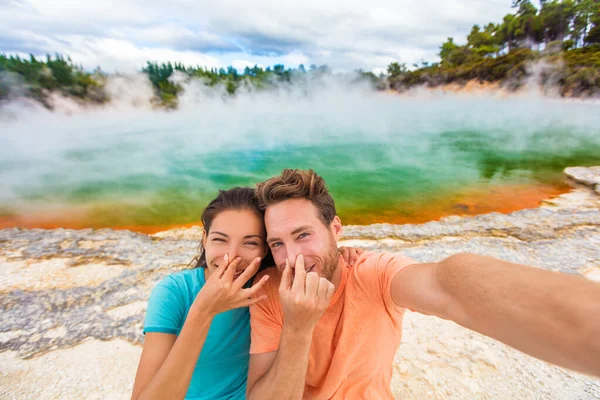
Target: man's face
294,227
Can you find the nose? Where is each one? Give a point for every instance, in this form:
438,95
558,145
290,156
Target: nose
233,252
292,252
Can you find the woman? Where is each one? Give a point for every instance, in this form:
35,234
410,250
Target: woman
197,323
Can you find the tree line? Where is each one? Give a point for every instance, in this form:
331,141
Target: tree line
563,33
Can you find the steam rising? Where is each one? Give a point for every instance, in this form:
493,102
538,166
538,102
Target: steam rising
351,134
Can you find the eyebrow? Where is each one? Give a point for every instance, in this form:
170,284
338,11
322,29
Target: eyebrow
227,236
295,231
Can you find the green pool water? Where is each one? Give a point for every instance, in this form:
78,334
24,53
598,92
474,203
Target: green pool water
385,158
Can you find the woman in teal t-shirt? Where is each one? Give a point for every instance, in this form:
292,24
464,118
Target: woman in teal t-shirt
197,326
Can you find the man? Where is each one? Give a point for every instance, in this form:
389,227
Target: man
331,330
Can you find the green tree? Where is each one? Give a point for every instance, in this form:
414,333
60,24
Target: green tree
593,35
396,69
527,24
584,12
446,50
482,42
506,32
557,17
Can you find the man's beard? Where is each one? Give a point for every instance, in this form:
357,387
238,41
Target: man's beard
331,260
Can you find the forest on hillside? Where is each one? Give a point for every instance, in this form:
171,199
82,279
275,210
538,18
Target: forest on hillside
563,36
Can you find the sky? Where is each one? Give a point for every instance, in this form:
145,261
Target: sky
344,34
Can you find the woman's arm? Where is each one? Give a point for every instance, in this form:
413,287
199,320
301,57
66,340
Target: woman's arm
168,361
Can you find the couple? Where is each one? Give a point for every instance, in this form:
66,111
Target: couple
325,325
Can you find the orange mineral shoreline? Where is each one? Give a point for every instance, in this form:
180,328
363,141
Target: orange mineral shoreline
471,201
474,201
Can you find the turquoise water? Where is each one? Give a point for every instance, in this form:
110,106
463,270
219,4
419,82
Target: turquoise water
384,157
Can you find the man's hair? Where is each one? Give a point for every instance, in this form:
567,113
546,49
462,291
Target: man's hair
297,184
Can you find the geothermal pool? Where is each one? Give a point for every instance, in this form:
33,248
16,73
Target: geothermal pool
386,157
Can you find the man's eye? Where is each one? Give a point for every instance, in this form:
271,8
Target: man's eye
276,244
302,235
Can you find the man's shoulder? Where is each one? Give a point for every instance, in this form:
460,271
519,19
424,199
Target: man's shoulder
274,278
271,306
378,261
374,257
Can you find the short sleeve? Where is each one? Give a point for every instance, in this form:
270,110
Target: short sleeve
165,312
266,317
376,273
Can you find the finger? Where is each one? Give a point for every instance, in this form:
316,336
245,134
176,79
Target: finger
255,289
299,275
345,253
323,288
312,284
286,277
248,273
352,256
230,272
223,267
251,302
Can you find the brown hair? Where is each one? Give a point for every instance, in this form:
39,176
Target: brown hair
298,184
237,198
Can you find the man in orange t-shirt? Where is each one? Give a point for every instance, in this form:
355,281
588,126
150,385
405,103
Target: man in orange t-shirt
329,330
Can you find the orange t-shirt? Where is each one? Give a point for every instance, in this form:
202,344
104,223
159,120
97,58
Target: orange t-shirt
354,342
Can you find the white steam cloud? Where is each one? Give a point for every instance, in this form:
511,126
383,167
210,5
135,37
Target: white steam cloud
41,150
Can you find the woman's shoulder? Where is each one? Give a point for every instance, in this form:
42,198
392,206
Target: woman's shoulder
185,280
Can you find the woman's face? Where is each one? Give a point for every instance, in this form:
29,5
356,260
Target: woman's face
238,233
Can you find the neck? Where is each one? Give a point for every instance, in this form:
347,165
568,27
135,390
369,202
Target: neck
336,277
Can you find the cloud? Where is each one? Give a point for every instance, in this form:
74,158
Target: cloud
345,34
123,55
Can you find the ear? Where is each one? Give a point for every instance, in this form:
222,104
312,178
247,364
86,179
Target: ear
336,228
204,239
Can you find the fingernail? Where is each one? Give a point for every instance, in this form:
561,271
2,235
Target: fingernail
226,258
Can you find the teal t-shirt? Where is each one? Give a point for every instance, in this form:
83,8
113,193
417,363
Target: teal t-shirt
222,368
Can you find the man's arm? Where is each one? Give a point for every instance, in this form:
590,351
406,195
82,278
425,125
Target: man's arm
549,315
282,374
